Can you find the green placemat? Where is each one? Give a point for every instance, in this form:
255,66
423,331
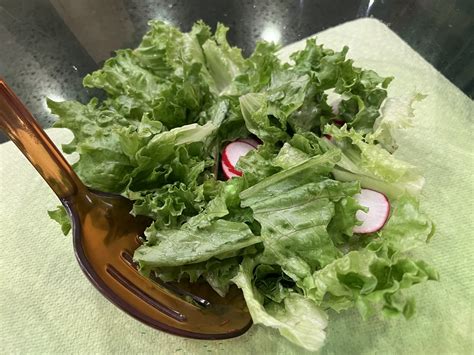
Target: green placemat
48,306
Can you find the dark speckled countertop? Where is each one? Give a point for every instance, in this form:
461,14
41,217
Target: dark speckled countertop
47,46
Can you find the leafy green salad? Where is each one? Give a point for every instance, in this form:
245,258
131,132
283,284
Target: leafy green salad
277,177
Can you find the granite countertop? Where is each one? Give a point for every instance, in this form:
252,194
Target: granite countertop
49,45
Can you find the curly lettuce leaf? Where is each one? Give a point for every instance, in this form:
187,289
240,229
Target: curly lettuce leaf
344,219
124,75
397,114
257,164
226,204
218,273
372,165
255,111
98,135
407,227
296,317
164,48
178,155
288,156
286,93
294,208
272,282
258,71
369,281
266,113
170,206
361,92
374,276
195,244
223,61
166,183
60,215
314,169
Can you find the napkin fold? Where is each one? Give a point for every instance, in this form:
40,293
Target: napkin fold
48,306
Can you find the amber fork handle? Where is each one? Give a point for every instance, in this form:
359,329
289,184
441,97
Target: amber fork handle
21,127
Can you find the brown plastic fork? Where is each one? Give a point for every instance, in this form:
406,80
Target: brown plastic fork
105,236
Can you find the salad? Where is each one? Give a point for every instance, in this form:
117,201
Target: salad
277,177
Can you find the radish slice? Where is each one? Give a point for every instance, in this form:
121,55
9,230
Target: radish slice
253,142
232,153
376,216
228,173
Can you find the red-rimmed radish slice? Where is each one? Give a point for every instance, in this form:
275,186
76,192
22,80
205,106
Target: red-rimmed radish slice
228,173
232,153
253,142
230,168
379,210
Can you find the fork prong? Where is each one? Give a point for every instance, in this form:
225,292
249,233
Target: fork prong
139,239
195,299
119,277
186,294
128,259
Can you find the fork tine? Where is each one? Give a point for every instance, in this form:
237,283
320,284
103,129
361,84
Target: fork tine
128,259
186,294
112,271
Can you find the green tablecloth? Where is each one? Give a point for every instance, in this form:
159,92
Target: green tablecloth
48,306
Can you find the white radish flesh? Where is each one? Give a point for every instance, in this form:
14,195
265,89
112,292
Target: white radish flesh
377,214
233,151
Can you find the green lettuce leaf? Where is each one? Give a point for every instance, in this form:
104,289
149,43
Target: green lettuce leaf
294,208
315,169
255,111
164,48
344,219
369,281
98,136
195,244
297,318
372,165
123,75
170,206
361,92
217,272
258,69
266,113
407,227
60,215
226,204
373,277
397,114
286,93
257,164
272,282
223,61
289,156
